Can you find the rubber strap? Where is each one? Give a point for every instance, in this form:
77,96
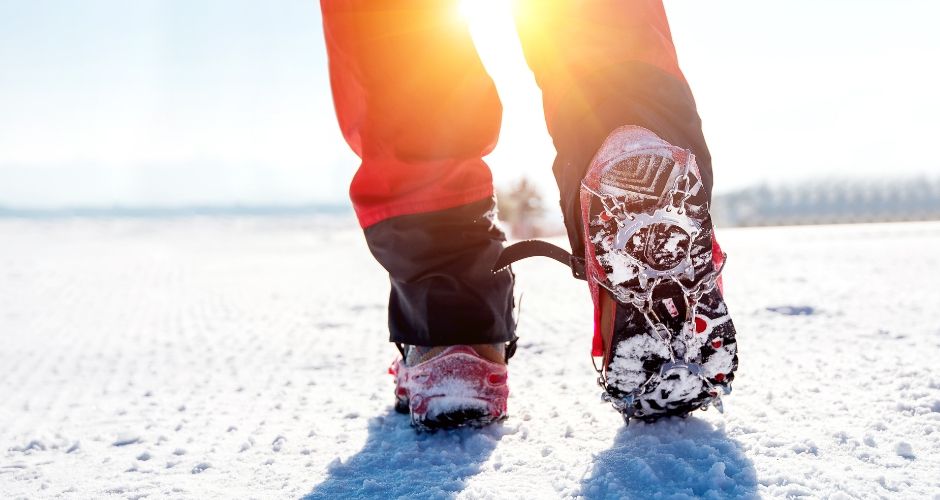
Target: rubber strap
538,248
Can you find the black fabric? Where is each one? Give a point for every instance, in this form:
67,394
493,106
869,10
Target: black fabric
444,290
627,94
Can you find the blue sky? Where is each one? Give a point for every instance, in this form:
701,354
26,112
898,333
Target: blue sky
166,102
172,102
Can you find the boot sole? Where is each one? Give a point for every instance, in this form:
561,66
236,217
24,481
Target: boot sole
642,369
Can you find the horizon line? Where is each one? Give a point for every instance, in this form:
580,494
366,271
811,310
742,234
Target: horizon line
146,211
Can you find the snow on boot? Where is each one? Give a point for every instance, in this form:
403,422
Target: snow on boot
451,386
661,325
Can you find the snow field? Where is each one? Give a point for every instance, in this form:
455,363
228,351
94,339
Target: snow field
246,357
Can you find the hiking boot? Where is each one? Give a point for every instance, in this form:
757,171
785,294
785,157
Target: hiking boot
451,386
661,324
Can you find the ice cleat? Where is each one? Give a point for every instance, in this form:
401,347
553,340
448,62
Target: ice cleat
662,328
453,386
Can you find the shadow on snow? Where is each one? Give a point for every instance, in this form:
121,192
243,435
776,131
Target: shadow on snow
673,458
398,462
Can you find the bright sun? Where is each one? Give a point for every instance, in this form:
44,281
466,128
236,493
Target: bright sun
524,148
477,11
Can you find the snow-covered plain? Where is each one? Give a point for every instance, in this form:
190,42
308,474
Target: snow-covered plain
245,358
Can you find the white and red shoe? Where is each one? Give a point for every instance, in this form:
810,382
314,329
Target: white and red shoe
451,386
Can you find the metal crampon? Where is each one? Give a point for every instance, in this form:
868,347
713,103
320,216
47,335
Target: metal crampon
650,246
649,268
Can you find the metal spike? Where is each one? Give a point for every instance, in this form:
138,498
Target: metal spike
628,401
690,271
644,279
719,405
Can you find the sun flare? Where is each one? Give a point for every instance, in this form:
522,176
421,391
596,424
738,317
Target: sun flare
493,29
524,148
476,11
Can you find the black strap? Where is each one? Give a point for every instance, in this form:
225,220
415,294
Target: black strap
538,248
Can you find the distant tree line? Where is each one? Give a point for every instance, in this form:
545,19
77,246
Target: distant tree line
830,202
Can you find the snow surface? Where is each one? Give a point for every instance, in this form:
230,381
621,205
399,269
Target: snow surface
246,358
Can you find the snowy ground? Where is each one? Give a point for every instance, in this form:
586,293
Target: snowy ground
199,358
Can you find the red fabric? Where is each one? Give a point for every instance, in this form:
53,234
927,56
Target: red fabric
718,260
425,385
568,43
414,102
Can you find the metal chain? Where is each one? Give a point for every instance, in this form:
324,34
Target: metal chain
644,301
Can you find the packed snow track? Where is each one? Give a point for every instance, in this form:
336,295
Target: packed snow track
246,358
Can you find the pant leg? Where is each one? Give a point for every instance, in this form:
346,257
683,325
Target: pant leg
415,103
602,64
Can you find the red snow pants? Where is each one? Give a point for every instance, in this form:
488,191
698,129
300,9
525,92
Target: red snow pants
416,105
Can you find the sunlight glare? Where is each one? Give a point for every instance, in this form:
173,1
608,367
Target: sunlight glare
493,30
476,11
524,148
